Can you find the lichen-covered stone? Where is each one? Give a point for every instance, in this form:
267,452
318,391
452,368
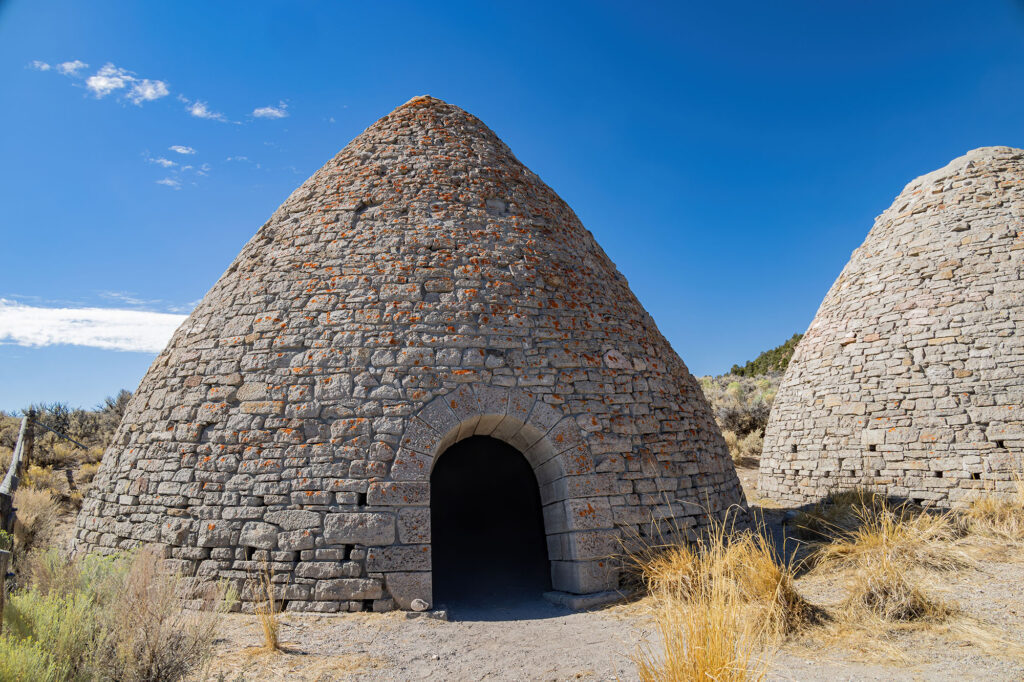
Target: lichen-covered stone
909,378
421,288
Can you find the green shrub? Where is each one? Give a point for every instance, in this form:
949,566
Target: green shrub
21,660
108,618
775,360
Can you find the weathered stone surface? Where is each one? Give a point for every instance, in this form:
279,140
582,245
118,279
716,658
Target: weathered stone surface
348,588
421,288
908,379
294,519
359,528
405,587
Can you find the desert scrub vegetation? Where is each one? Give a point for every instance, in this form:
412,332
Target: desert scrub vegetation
34,523
742,400
57,467
741,406
108,618
92,428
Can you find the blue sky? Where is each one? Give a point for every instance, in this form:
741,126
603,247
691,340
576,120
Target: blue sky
728,157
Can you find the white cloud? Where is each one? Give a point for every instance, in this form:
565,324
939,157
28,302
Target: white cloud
108,79
166,163
146,90
39,66
237,158
202,110
280,111
181,149
109,328
111,78
71,68
170,182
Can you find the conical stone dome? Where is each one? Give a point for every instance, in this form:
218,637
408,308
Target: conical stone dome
421,288
909,379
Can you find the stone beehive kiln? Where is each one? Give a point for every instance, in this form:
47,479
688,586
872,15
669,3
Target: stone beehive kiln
420,288
910,379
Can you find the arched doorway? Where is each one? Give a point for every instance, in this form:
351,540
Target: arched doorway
487,528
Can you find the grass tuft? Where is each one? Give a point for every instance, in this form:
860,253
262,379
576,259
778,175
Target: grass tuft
717,602
267,609
1001,517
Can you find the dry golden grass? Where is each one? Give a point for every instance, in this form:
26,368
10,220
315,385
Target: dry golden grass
900,536
87,472
716,605
34,521
997,517
887,555
841,511
707,636
266,608
44,478
745,451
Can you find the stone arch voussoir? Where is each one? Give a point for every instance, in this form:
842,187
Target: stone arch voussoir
580,531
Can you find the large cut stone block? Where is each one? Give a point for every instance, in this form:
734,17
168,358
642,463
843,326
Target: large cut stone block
581,577
294,519
398,558
404,587
359,528
399,494
348,588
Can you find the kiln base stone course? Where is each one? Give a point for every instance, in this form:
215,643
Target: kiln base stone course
421,288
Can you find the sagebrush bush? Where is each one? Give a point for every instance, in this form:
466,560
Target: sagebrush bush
35,520
93,428
44,478
108,618
741,406
86,473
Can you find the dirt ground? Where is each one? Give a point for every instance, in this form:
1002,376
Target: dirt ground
538,641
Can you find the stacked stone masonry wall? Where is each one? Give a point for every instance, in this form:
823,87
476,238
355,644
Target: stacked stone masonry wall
909,379
420,288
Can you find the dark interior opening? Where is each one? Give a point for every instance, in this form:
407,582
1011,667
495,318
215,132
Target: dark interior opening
486,526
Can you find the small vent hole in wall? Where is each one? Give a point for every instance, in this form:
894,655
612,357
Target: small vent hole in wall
367,605
282,605
361,499
792,448
938,474
976,476
248,553
1000,444
346,552
872,448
